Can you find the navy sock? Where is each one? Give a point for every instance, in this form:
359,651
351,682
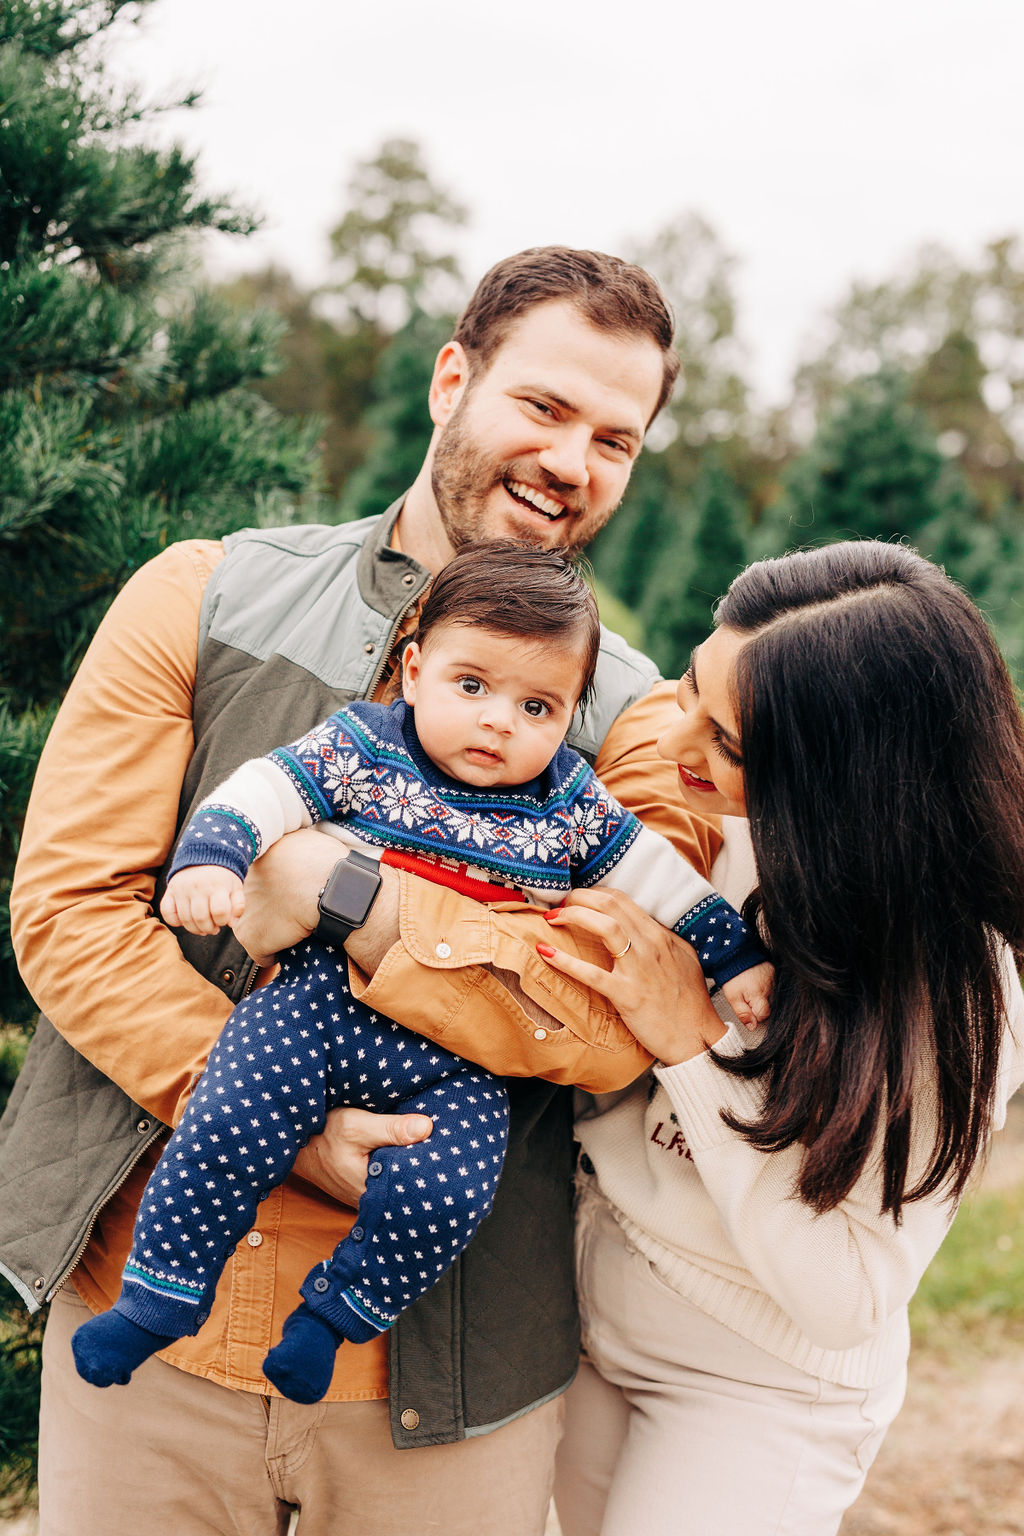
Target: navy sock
301,1366
109,1347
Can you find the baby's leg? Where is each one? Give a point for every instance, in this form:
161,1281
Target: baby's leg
262,1096
421,1207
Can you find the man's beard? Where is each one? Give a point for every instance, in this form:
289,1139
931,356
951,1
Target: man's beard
462,477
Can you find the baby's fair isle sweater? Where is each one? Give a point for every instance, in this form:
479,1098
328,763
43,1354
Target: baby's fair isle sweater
722,1224
365,766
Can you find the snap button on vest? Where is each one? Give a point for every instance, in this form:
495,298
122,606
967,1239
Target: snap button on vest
410,1418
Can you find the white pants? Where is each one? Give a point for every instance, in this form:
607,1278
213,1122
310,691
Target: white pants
676,1426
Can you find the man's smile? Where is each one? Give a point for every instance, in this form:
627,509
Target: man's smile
545,505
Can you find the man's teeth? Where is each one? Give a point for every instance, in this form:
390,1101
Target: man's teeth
536,499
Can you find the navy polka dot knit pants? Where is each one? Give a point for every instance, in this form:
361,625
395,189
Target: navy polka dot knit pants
290,1052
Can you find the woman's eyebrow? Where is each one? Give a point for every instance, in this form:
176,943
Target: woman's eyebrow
726,735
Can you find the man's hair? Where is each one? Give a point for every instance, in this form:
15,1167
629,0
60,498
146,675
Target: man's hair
521,590
612,295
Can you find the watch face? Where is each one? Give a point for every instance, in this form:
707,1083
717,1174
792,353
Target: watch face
349,892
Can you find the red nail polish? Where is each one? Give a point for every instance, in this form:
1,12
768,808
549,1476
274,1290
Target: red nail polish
546,951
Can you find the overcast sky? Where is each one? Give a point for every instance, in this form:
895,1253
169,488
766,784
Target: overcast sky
824,142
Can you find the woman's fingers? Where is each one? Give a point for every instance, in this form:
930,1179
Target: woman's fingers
584,971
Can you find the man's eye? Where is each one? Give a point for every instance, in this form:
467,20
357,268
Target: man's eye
470,685
536,708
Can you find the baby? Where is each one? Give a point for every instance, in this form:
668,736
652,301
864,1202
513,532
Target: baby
466,778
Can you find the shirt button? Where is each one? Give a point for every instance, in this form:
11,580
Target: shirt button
410,1418
357,1234
254,1239
321,1285
540,1034
375,1169
442,951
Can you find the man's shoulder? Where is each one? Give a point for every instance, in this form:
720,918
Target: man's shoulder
299,541
623,675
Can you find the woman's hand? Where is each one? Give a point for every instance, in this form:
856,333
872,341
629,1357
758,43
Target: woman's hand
336,1160
655,980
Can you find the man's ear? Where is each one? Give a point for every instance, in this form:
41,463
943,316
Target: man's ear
448,385
410,672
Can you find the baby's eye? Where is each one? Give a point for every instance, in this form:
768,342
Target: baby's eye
536,708
469,685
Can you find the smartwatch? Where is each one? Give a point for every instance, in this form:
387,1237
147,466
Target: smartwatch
346,899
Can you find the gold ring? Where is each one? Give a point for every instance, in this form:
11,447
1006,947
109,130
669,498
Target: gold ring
629,946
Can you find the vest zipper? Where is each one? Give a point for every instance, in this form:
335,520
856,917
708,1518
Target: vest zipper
59,1284
396,625
143,1147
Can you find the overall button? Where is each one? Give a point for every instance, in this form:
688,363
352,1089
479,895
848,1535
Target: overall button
321,1285
254,1239
410,1418
375,1169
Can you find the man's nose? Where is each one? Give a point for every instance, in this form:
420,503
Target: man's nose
566,455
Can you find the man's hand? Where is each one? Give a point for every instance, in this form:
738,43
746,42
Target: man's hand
281,891
336,1160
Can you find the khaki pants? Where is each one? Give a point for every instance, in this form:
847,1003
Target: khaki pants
175,1453
679,1427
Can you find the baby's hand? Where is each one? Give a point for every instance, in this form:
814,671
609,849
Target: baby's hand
750,994
202,899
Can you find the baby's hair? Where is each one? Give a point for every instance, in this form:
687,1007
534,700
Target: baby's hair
519,590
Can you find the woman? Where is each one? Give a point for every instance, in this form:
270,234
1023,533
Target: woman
755,1216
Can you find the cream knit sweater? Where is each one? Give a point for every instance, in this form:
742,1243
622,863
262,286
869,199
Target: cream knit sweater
721,1223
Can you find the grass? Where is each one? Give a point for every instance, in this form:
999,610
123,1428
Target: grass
975,1284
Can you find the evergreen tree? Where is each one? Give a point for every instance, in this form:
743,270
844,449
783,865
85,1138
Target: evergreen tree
650,523
125,423
398,419
873,470
693,574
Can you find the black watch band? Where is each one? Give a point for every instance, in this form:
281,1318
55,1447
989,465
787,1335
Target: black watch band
346,899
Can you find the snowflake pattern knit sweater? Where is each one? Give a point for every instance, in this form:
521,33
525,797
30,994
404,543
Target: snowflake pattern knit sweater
365,766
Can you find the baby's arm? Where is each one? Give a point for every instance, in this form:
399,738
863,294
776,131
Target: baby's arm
202,899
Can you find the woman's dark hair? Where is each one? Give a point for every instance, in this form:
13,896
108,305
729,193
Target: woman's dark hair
883,757
520,590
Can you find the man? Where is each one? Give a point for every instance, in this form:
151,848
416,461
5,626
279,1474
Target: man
210,655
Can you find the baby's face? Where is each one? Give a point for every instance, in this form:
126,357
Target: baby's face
491,710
